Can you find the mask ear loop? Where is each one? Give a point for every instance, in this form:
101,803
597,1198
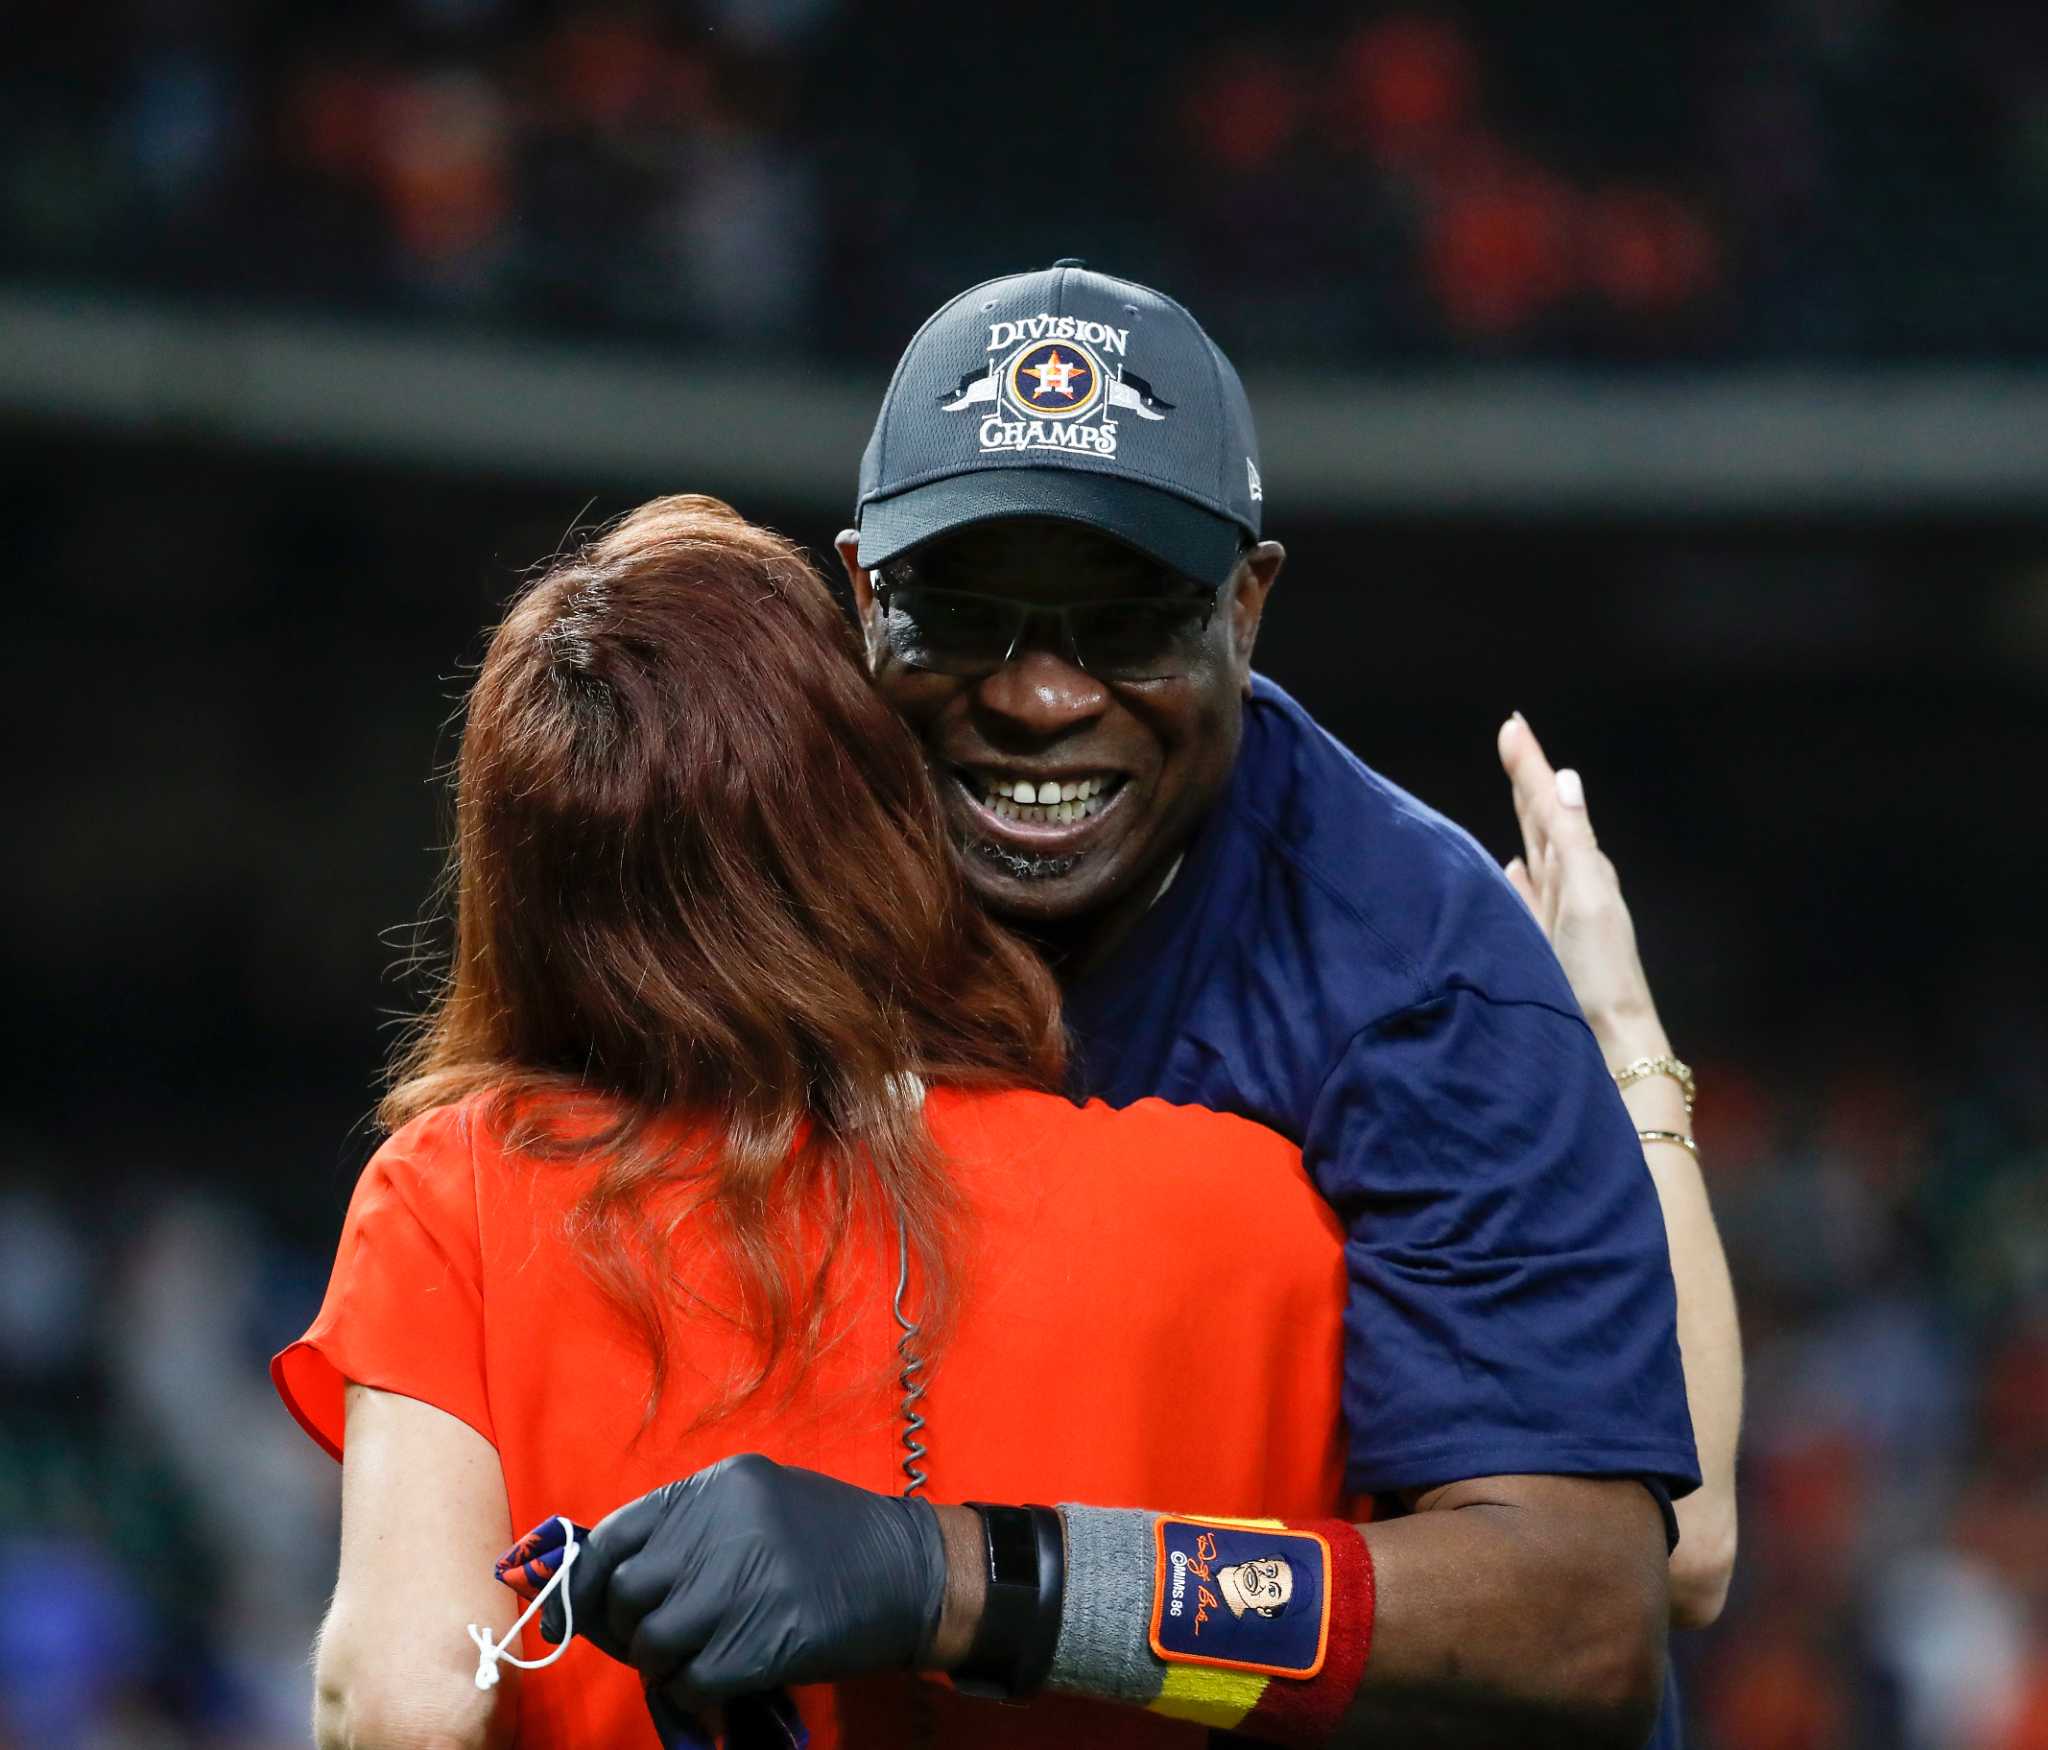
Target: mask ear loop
489,1652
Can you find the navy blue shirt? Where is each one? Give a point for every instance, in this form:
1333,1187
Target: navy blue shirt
1342,964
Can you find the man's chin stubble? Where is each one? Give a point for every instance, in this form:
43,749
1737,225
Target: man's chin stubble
1021,868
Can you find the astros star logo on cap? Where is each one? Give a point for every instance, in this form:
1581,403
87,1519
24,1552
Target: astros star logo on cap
1064,382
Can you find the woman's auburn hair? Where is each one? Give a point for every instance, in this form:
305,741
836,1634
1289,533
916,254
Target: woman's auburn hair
700,873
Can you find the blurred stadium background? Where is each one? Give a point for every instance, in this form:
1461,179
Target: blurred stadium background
1676,374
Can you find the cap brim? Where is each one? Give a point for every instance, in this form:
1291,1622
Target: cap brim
1194,542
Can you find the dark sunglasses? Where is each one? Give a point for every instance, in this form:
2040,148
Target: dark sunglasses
1129,638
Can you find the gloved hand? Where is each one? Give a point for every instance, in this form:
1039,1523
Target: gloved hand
752,1574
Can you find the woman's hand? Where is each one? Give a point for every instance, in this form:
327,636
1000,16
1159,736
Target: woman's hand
753,1574
1573,890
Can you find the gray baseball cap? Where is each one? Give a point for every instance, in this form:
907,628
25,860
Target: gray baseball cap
1071,395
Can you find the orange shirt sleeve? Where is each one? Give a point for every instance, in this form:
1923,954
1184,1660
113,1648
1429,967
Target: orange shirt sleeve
404,1306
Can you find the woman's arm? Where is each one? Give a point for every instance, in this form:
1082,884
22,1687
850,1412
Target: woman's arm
423,1516
1576,896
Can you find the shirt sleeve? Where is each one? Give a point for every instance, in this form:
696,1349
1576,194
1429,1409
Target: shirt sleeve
404,1306
1510,1308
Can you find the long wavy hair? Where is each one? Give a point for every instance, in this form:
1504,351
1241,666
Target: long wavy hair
699,873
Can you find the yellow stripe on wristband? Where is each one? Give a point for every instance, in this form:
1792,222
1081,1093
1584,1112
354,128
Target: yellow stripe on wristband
1219,1700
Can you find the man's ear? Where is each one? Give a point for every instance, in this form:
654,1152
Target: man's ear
863,587
1248,588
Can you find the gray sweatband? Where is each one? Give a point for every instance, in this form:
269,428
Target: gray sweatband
1102,1650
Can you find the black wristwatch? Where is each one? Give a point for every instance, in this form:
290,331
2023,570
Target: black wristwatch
1026,1552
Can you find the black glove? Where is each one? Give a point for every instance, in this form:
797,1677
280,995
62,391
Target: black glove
753,1574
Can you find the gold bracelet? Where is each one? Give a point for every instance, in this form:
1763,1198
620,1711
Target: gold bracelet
1678,1136
1645,1067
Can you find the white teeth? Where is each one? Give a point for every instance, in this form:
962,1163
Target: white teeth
1058,801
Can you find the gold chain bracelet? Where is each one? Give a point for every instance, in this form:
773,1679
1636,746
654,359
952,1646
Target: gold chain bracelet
1645,1067
1678,1136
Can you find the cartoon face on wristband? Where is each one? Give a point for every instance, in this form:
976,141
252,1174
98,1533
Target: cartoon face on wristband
1241,1596
1264,1584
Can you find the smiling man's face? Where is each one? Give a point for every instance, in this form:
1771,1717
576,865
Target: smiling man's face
1069,794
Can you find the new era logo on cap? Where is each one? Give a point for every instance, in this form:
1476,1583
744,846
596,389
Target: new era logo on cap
1071,395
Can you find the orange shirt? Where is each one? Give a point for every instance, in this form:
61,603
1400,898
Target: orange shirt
1150,1307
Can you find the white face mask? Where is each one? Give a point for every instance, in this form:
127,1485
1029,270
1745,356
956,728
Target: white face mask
490,1653
759,1721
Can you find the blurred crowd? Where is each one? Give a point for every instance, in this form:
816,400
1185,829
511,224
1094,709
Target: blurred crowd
1890,1246
1770,179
